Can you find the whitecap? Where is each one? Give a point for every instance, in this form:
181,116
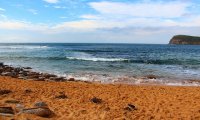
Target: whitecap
97,59
23,47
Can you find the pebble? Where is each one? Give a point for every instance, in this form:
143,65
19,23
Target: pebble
2,92
12,101
6,110
96,100
130,107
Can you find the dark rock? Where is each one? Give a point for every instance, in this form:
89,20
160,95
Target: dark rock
24,73
47,76
56,78
1,64
6,73
27,68
8,69
130,107
35,76
96,100
17,69
2,92
151,76
1,70
13,74
40,104
6,110
71,79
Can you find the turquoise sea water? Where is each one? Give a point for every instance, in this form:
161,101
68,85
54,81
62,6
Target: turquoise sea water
107,62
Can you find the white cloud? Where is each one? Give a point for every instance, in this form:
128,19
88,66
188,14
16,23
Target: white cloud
12,25
1,9
146,9
63,17
59,7
21,25
51,1
33,11
135,15
90,17
3,16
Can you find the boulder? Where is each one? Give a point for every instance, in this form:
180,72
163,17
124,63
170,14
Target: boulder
6,73
71,79
151,76
41,111
1,64
17,69
46,75
28,68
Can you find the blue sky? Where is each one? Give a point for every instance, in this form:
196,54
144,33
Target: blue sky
98,21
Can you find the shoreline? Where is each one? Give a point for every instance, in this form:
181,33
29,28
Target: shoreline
27,73
87,100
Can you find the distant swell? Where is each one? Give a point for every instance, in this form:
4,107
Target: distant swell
167,62
96,59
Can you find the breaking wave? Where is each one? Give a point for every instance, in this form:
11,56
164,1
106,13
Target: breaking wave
97,59
23,47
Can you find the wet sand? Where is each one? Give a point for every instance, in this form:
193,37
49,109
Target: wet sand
151,102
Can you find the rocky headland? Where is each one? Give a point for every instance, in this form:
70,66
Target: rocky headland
185,40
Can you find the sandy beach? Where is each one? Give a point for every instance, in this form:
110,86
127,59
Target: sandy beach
73,100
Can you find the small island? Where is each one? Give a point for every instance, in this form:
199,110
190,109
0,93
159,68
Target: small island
185,40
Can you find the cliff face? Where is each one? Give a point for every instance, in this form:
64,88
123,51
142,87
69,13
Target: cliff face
185,40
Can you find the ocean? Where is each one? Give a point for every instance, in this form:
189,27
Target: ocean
108,63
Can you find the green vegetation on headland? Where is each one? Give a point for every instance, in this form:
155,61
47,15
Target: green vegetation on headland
185,40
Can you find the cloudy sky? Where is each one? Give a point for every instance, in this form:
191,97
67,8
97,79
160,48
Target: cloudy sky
98,21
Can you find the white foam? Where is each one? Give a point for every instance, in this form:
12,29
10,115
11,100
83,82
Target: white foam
97,59
182,84
23,47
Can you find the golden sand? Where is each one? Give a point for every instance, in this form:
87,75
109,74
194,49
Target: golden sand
152,102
